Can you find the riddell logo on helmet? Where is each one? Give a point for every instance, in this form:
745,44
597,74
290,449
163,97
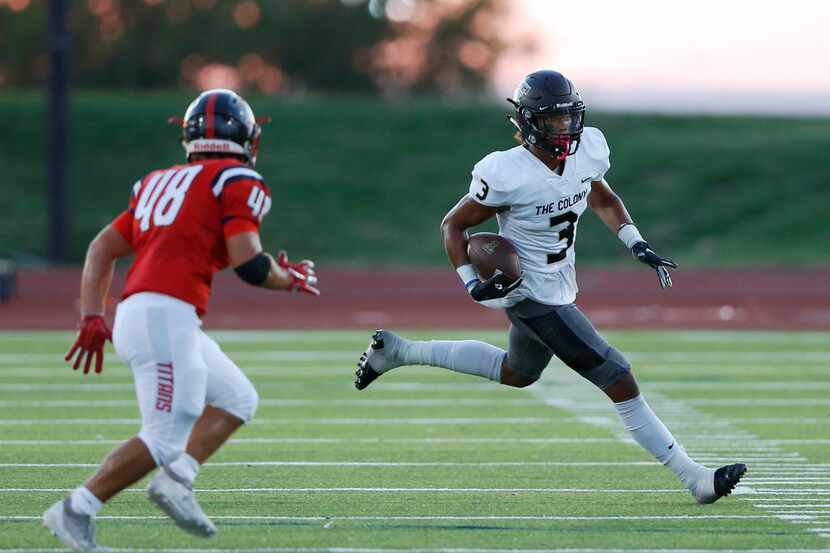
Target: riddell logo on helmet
213,146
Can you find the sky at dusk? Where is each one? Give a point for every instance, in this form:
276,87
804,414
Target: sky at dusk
707,55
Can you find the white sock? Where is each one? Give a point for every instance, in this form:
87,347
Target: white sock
83,501
185,467
463,356
654,437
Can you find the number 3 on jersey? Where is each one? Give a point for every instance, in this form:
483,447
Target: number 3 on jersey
566,232
163,196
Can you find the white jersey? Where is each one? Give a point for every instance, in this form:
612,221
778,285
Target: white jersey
542,212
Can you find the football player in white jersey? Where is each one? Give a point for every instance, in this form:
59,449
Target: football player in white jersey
538,191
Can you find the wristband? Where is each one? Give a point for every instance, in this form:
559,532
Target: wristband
467,274
629,235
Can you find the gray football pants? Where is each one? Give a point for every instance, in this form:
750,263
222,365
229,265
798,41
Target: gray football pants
538,332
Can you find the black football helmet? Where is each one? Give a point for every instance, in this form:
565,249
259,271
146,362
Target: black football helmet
220,121
549,113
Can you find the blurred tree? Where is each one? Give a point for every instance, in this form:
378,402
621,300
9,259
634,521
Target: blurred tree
274,46
446,46
24,52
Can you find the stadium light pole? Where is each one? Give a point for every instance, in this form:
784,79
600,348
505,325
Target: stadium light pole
58,171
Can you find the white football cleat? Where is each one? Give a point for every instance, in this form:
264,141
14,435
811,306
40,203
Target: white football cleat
175,497
75,530
380,357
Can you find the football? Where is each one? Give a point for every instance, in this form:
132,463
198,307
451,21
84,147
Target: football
488,251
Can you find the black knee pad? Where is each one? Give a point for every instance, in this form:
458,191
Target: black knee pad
613,367
574,340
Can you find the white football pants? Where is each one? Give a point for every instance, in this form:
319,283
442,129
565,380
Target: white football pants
177,370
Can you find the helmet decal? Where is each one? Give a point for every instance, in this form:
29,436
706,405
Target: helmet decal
220,121
210,116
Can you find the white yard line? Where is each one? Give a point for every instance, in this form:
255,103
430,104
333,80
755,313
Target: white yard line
96,388
767,442
777,474
352,354
783,461
374,421
50,370
431,517
401,550
390,464
788,499
763,385
754,356
465,387
788,474
753,479
785,480
794,468
797,481
380,490
767,420
800,505
368,421
267,402
734,337
802,512
378,441
774,491
765,465
448,402
759,402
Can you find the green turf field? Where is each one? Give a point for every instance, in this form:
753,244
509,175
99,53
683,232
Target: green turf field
436,461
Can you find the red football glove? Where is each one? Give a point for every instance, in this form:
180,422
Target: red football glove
303,275
92,336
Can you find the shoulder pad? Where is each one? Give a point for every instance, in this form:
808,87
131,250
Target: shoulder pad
497,168
232,173
595,152
594,144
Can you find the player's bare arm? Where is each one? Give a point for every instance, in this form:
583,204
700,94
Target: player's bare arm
610,208
465,214
96,279
261,269
608,205
99,266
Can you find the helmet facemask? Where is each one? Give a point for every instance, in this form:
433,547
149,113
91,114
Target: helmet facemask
557,131
252,146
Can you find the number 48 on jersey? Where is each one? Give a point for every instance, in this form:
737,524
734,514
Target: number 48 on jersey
162,198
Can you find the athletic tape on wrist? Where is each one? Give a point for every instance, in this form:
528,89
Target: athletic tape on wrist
467,274
629,235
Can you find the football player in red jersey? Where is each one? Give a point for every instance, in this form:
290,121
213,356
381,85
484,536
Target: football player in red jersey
183,224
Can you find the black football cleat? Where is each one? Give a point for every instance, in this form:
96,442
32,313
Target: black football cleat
365,374
726,478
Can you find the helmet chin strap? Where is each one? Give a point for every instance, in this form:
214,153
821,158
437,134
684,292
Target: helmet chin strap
558,147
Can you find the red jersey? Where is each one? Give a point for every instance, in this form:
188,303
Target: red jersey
178,220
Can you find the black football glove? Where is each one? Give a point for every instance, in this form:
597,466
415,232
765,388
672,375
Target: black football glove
643,252
495,287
